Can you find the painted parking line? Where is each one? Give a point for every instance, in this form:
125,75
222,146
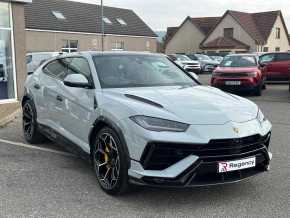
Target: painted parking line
19,144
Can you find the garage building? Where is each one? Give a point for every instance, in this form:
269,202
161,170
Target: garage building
12,54
68,26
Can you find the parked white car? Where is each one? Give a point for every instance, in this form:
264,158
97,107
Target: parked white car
33,60
143,120
186,63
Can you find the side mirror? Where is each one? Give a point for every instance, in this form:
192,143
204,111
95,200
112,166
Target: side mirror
196,77
262,64
76,81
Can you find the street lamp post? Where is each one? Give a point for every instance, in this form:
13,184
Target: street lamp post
102,26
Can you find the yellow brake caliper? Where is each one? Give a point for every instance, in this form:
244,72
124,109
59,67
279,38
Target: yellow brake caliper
106,153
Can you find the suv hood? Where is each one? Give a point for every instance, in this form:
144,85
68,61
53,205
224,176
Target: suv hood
236,69
198,105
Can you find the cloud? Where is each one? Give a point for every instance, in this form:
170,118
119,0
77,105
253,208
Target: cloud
159,14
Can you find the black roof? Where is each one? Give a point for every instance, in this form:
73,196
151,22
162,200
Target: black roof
82,17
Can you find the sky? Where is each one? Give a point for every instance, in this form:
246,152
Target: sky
159,14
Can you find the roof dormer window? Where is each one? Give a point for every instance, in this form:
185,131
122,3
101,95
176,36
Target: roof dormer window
229,32
107,20
121,21
58,15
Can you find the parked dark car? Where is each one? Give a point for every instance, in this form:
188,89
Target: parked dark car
276,66
239,72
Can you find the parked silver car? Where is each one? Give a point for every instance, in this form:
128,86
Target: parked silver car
207,64
33,60
143,120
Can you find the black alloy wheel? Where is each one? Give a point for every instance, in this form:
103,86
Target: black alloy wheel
107,161
29,123
110,162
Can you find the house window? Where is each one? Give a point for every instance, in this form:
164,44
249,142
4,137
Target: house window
121,21
70,46
278,33
7,73
265,49
107,20
58,15
118,46
229,32
277,49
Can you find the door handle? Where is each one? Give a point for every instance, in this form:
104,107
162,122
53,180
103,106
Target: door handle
36,86
59,98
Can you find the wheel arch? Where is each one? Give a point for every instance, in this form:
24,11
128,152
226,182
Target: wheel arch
102,122
26,97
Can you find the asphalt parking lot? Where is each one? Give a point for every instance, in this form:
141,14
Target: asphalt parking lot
47,182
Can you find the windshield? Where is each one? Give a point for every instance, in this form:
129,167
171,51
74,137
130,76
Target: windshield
123,71
239,61
203,57
183,58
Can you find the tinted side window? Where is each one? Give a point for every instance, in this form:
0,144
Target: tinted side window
282,57
267,58
193,57
79,66
56,68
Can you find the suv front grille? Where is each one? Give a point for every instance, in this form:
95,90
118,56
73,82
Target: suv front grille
160,155
192,65
233,75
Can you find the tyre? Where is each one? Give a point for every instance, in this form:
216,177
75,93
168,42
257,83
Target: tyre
258,91
264,87
29,124
110,162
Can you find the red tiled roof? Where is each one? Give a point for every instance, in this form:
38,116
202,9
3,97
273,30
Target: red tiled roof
225,43
265,22
257,25
205,24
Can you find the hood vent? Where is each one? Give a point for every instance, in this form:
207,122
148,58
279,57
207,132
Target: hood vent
144,100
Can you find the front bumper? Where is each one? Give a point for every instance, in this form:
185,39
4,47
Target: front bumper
247,84
189,165
240,88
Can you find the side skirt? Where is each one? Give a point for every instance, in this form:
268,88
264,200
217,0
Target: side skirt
64,142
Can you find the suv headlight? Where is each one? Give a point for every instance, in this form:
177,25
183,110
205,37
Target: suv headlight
159,125
260,117
216,74
252,74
